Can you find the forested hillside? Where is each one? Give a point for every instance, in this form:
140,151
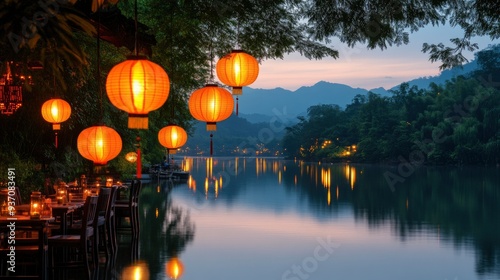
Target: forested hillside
454,123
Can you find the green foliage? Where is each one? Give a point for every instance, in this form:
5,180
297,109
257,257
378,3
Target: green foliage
28,176
456,123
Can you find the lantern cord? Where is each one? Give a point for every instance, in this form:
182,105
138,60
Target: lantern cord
211,145
237,105
98,78
136,29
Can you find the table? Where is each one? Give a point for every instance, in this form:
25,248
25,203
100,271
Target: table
31,239
62,211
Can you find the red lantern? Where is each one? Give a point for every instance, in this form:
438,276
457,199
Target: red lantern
137,86
172,137
99,144
237,69
211,104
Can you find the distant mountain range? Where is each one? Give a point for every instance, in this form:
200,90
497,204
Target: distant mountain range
258,105
264,114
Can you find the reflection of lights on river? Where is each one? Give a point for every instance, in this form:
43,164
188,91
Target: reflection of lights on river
191,183
350,174
137,271
174,268
326,181
210,166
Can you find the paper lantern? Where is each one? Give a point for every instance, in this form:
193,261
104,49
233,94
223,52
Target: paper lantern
237,69
137,86
211,104
174,268
131,157
99,144
56,111
172,137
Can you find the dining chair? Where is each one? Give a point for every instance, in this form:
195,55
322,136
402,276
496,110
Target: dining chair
129,210
81,244
110,224
100,221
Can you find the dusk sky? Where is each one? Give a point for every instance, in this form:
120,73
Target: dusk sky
360,67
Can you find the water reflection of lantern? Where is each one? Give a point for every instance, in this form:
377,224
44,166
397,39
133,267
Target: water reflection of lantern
36,205
174,268
137,271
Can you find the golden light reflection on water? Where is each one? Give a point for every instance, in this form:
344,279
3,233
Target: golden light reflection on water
350,174
174,268
137,271
298,173
187,164
326,179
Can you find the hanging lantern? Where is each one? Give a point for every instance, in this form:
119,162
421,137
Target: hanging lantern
131,157
137,86
172,137
99,144
56,111
174,268
237,69
211,104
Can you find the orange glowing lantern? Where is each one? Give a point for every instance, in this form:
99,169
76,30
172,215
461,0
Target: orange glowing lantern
99,144
174,268
172,137
131,157
237,69
137,86
211,104
56,111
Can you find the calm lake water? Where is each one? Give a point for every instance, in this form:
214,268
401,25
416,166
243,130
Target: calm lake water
255,218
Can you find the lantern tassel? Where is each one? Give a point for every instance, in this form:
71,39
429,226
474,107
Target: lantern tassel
237,105
56,139
211,145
